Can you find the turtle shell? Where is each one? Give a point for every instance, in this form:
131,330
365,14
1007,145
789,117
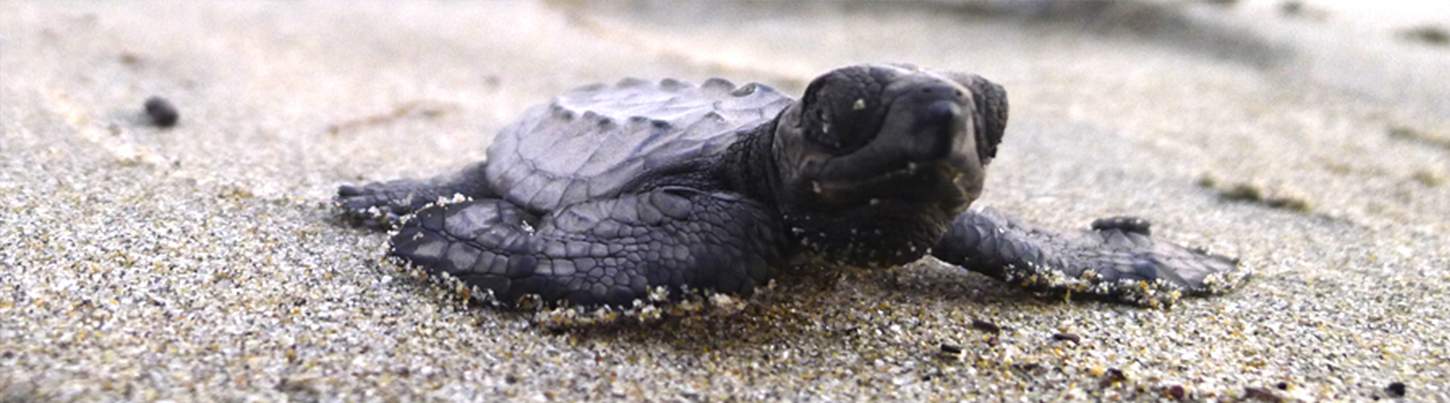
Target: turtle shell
593,141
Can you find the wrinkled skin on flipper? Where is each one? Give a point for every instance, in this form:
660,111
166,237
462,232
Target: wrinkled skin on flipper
1115,260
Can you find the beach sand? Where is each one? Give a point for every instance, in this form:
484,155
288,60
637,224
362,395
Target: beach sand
205,262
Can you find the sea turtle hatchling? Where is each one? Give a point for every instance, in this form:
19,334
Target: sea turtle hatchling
643,191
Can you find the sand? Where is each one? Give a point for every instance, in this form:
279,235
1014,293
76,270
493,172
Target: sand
204,262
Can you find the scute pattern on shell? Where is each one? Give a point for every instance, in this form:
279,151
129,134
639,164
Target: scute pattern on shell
591,142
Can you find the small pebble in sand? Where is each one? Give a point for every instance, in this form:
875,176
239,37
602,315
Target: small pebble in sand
1114,377
162,113
1175,392
1067,337
951,350
986,326
1396,389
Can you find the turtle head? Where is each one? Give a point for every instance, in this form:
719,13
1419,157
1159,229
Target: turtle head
885,149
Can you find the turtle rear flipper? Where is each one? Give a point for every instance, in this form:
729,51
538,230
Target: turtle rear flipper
383,204
1116,260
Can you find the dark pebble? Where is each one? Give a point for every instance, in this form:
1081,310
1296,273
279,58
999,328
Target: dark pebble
1175,392
162,113
986,326
1114,376
1396,389
1067,337
950,349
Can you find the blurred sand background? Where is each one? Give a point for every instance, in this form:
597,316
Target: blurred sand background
204,262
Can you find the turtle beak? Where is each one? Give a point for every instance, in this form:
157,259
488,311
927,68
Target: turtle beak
927,125
926,150
945,136
948,129
936,127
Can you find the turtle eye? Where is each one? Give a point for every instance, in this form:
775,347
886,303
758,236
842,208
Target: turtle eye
836,117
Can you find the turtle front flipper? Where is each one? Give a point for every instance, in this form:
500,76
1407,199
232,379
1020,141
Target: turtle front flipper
383,204
1117,259
644,247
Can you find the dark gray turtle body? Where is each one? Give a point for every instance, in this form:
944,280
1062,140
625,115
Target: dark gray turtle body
613,194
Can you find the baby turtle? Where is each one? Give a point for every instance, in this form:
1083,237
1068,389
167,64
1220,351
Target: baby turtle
613,194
